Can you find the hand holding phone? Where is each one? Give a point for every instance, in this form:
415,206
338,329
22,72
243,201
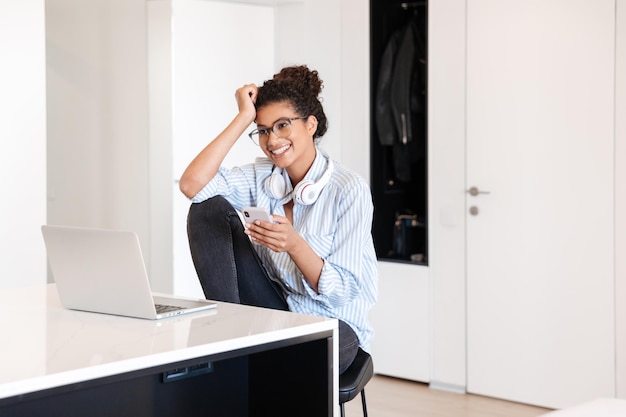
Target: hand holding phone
250,214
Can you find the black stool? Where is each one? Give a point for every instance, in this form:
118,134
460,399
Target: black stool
354,379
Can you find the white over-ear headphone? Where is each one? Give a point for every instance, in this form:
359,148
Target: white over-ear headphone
305,192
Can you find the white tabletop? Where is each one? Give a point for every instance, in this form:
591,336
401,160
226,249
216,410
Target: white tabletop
44,346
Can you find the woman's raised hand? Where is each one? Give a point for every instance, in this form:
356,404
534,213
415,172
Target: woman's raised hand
205,165
246,97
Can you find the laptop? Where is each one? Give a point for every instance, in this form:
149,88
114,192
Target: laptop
103,271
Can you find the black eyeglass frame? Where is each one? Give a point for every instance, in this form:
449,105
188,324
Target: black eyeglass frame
282,119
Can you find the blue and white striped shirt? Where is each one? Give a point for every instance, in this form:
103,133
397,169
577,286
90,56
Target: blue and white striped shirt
338,228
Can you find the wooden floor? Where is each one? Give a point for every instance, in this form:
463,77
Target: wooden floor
391,397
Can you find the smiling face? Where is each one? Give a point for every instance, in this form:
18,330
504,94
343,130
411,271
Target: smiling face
295,152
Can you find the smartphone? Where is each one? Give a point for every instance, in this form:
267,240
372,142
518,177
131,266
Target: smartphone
251,214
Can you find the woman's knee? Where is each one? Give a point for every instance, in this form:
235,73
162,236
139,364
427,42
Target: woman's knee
348,345
215,212
210,208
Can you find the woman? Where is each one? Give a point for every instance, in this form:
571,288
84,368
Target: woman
316,256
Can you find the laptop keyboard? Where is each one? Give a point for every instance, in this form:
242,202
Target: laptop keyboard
164,308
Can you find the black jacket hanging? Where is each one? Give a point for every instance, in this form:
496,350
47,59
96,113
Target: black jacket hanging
400,100
385,125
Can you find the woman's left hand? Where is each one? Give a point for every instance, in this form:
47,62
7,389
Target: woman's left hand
279,236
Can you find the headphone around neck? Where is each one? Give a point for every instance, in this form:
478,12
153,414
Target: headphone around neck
306,192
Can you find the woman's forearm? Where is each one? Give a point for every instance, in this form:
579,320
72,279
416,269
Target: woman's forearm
205,165
308,262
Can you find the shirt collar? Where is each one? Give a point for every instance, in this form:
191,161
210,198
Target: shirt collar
318,167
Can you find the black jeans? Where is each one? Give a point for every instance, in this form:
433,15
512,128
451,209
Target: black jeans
229,269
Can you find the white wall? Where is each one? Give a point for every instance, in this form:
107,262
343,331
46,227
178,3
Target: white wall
446,188
97,106
309,32
22,142
161,246
620,199
355,86
211,58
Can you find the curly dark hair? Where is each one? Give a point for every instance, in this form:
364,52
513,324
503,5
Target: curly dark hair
300,87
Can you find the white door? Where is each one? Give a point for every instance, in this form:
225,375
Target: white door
540,138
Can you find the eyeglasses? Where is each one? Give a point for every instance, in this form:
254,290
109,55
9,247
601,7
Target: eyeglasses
281,128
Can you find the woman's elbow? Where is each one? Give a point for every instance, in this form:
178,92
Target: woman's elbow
187,187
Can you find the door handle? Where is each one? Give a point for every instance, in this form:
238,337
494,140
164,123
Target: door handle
474,191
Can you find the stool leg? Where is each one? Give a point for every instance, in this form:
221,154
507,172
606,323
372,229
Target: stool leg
363,402
343,410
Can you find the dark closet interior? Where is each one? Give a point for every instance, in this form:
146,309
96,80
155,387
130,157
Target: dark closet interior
398,149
